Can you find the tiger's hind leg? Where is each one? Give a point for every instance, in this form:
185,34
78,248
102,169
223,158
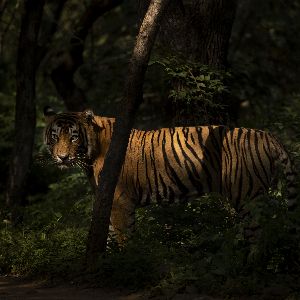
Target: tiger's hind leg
122,216
252,229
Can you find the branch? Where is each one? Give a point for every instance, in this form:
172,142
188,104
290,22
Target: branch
62,76
115,156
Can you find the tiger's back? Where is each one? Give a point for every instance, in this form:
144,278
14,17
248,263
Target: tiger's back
171,164
177,164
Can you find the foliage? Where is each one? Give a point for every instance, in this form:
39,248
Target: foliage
76,192
287,123
33,252
216,255
174,248
264,59
52,236
195,89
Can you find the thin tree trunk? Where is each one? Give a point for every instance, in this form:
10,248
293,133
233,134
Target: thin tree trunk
133,93
25,115
71,59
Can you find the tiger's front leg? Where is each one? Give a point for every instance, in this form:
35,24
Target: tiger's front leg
123,216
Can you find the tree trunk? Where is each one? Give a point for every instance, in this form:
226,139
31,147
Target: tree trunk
197,31
72,58
25,106
133,93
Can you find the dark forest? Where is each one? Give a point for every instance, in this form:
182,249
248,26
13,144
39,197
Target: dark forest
158,66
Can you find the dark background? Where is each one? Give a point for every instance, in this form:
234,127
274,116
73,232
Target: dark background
257,86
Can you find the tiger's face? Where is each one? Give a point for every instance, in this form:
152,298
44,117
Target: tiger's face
63,142
66,138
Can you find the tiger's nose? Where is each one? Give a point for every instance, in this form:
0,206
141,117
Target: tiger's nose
63,157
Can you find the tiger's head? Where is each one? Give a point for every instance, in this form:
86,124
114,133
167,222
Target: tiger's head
69,137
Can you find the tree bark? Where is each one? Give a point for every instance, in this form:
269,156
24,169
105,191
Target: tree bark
133,94
25,114
199,30
71,59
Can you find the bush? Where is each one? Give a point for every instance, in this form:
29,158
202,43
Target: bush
38,253
200,244
51,239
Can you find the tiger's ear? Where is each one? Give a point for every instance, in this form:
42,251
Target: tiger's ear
49,114
88,114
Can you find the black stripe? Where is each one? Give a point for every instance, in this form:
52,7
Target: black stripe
152,156
237,161
237,153
204,167
268,144
253,161
202,163
192,138
231,138
207,155
143,143
172,132
216,148
230,163
187,158
162,183
185,131
259,156
239,136
192,177
271,162
158,136
174,176
249,177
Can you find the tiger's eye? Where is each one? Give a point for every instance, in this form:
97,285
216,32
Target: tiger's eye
74,138
54,137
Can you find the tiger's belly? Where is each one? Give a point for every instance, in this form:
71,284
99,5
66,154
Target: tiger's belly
168,186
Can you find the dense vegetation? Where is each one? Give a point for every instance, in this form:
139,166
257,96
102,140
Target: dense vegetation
199,246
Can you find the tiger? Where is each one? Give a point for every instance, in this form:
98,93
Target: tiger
170,164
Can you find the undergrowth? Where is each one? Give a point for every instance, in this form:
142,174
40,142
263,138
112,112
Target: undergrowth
199,245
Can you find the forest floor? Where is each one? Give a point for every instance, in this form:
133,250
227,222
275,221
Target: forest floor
14,288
